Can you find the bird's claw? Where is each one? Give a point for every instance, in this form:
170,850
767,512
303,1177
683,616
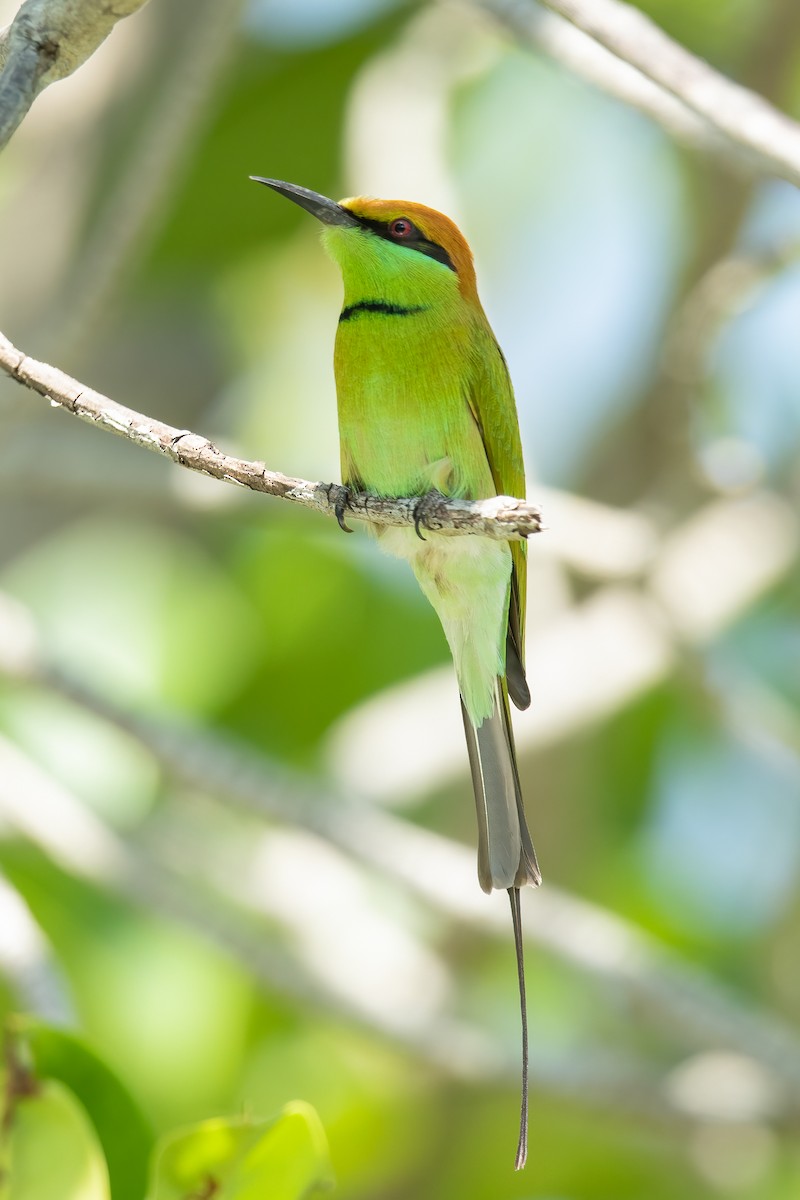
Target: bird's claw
339,497
426,511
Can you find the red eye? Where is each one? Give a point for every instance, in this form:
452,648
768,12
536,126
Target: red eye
401,229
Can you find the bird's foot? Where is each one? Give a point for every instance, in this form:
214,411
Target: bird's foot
339,498
427,512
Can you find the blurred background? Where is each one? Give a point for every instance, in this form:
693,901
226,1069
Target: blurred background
236,825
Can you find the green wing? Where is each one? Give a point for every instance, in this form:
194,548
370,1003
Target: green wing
492,402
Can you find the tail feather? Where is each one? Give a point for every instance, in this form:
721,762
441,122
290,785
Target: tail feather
517,684
506,858
516,917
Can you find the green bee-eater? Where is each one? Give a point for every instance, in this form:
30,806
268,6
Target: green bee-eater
426,406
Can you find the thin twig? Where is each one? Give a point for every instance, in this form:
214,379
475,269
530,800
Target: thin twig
500,517
48,40
735,111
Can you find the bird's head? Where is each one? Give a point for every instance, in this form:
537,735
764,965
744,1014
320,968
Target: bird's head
390,244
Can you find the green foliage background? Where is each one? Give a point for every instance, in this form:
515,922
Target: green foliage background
648,300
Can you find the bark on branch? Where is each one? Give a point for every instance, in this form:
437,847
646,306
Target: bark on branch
501,517
46,41
742,115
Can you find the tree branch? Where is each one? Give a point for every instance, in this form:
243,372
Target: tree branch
584,56
4,32
48,40
735,112
501,517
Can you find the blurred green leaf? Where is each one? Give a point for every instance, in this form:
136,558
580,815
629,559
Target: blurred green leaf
123,1132
51,1151
188,634
285,1158
150,992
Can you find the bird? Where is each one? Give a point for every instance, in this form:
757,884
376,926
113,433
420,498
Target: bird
426,409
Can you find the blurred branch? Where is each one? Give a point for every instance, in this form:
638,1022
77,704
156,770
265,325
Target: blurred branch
582,55
731,110
593,940
48,40
138,203
722,292
26,960
37,807
500,517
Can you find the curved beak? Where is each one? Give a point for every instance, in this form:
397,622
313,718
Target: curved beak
325,210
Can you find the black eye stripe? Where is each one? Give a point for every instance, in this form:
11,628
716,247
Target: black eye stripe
416,242
433,250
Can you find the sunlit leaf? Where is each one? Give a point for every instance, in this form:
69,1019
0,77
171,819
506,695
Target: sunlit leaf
51,1150
121,1128
285,1159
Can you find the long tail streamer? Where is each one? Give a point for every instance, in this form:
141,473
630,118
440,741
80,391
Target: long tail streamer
516,917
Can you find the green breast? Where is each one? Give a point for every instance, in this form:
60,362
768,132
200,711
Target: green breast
402,380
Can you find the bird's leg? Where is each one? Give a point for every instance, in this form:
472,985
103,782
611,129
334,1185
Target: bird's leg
427,510
339,497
